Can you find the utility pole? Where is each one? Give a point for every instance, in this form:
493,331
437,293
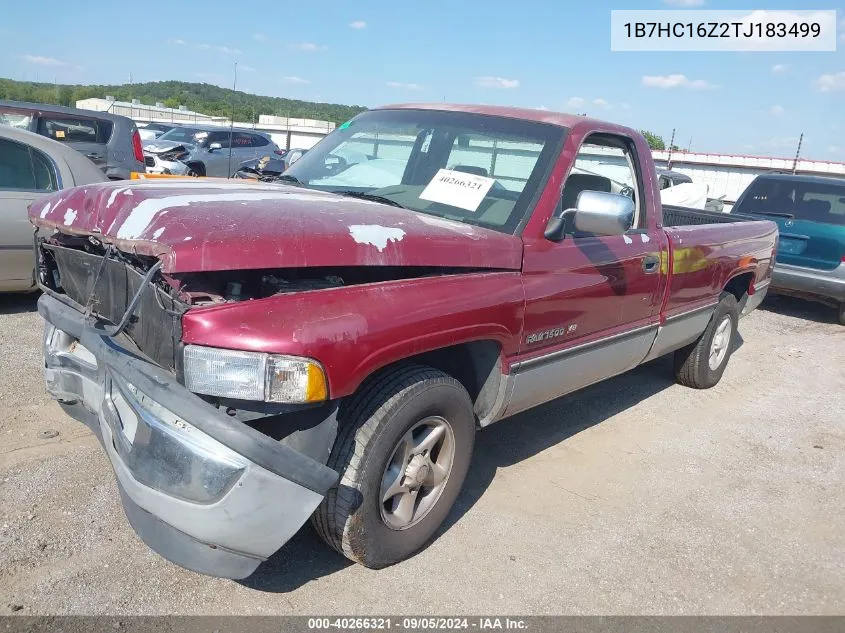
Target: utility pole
671,145
797,153
232,122
690,144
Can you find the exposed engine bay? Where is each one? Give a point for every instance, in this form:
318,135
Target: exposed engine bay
60,269
175,153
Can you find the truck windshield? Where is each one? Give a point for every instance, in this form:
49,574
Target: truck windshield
477,169
814,201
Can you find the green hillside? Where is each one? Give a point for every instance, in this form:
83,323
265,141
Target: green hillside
204,98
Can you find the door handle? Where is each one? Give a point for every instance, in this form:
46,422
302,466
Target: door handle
651,264
93,155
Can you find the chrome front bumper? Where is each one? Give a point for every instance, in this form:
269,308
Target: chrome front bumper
202,489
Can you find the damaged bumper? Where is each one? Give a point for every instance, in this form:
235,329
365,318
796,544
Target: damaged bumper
202,489
155,164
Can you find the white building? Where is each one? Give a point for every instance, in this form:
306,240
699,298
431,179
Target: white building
728,175
145,114
286,132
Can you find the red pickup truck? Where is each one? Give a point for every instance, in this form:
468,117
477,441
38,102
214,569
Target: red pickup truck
251,355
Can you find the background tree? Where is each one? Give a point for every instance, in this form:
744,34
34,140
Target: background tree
654,141
205,98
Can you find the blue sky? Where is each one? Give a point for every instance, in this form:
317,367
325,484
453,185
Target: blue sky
531,53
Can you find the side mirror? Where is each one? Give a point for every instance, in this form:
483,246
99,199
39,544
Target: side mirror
595,212
214,146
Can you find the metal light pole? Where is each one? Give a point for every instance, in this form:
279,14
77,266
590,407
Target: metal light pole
797,154
232,122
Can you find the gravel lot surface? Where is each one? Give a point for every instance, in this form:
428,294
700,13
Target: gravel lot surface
636,496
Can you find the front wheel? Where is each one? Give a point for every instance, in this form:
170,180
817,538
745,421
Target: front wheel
701,364
404,446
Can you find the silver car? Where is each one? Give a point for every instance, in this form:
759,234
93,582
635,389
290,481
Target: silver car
31,166
111,141
204,150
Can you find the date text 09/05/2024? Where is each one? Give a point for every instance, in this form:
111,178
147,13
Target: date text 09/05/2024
417,623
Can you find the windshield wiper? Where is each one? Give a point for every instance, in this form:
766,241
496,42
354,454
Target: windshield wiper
287,178
776,214
363,195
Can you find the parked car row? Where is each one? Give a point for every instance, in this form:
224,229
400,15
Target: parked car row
31,166
44,148
809,211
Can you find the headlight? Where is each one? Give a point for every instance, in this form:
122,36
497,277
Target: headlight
253,375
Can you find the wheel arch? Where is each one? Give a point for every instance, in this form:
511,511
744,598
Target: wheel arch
477,365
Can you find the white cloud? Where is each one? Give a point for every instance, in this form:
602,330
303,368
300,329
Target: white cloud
777,110
295,80
496,82
834,149
308,47
358,24
245,68
684,3
259,37
601,103
404,86
667,82
179,41
576,102
43,61
779,69
221,49
748,147
831,82
542,107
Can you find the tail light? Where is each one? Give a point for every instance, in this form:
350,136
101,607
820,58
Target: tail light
136,146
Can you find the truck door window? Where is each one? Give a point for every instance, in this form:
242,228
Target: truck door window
604,163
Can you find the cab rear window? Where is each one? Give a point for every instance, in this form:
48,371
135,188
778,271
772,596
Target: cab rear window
800,200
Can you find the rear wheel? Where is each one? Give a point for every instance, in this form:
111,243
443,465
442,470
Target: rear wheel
700,365
403,451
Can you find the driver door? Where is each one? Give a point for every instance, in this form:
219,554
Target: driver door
592,302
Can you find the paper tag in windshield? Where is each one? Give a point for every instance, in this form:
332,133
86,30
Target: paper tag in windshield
457,189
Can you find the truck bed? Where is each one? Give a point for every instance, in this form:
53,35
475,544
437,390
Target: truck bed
685,216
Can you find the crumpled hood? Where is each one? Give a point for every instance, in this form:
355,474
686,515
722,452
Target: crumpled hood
202,225
157,146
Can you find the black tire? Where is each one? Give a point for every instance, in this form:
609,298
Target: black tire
370,427
842,313
692,363
196,170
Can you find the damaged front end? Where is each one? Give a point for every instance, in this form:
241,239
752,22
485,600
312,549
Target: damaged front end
168,161
214,485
